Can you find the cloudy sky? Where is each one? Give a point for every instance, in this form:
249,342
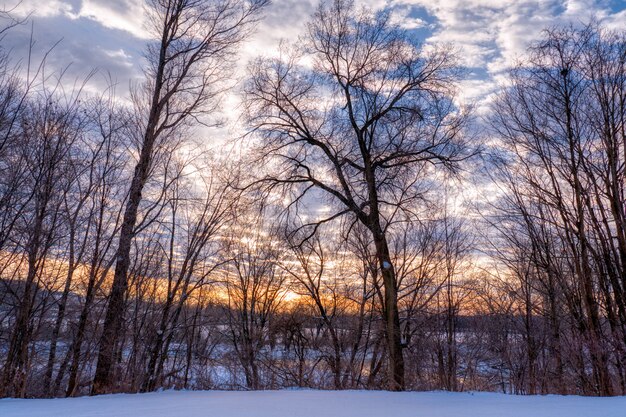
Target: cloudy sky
108,35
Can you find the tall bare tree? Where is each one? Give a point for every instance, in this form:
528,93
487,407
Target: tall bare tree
185,75
562,126
50,130
362,129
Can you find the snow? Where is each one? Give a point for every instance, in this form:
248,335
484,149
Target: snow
305,403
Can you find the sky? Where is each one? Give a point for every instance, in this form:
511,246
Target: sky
108,35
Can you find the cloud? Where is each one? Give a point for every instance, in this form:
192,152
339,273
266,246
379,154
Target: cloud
490,34
38,8
403,17
76,47
282,20
124,15
616,21
127,15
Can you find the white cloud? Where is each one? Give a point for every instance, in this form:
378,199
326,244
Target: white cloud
493,34
490,34
127,15
37,8
401,16
616,21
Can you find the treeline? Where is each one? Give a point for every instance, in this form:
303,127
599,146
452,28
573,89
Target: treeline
330,248
562,214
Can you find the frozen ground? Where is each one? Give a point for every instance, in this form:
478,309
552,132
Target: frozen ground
304,403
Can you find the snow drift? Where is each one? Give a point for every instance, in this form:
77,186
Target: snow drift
304,403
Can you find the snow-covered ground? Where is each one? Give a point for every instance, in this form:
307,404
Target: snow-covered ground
304,403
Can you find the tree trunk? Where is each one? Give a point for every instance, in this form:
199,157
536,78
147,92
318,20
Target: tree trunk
391,314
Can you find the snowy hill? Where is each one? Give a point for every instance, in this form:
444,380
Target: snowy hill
304,403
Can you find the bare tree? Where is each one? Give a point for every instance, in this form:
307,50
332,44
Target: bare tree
50,130
562,125
104,190
184,78
254,290
194,232
361,129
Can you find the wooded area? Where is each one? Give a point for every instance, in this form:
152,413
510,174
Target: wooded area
333,245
